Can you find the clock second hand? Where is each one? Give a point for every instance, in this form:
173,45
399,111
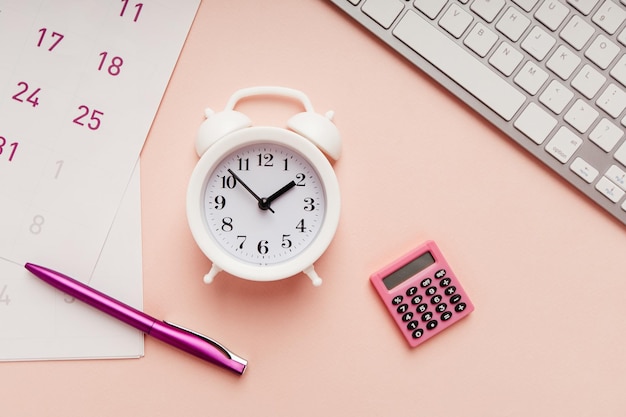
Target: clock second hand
258,199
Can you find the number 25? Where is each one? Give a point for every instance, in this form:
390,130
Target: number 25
93,122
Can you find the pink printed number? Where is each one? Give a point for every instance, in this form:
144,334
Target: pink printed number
55,38
23,95
114,64
138,7
88,117
9,147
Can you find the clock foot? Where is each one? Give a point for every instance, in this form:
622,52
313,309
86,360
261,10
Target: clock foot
310,271
208,278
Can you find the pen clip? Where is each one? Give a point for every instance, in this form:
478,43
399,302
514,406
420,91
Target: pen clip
207,339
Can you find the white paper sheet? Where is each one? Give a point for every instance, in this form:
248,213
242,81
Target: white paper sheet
80,84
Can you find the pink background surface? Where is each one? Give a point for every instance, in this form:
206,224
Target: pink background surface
544,267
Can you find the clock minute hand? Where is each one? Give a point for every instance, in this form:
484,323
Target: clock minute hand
259,199
265,202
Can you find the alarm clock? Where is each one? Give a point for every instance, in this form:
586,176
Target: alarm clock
263,202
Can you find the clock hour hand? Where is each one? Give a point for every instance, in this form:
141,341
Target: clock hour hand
265,202
259,199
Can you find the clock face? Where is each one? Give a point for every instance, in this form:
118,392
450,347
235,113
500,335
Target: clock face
264,203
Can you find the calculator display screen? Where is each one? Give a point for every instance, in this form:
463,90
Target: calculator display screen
417,265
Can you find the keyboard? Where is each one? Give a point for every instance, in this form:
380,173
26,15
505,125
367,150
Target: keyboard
549,74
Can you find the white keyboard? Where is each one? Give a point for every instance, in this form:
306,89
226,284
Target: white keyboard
550,74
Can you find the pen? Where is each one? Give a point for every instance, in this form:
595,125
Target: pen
179,337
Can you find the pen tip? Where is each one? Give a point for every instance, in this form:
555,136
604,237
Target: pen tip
32,267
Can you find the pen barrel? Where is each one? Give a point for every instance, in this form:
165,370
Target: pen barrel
94,298
195,345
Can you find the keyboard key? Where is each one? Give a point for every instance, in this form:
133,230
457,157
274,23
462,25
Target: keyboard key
609,190
588,81
455,20
538,43
619,70
535,123
622,37
583,6
612,100
383,12
609,17
481,39
552,13
581,116
617,176
487,9
556,96
430,8
577,32
602,51
563,62
506,58
513,24
606,135
526,5
584,170
459,65
531,77
620,154
563,144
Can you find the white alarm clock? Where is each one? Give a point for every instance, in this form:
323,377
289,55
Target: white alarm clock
263,202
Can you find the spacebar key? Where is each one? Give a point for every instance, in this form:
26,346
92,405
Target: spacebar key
459,65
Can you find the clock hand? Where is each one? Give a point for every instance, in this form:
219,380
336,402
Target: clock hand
265,202
259,199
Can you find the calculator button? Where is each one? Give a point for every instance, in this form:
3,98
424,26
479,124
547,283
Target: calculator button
441,307
411,291
432,324
460,307
450,290
445,282
427,316
440,274
417,299
397,300
412,325
436,299
431,291
402,308
426,282
421,308
417,333
446,316
407,317
455,298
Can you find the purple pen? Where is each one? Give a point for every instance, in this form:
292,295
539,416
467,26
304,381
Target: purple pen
179,337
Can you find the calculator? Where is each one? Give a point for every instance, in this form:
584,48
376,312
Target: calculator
421,293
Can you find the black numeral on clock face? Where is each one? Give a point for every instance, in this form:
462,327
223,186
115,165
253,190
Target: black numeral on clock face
227,224
265,159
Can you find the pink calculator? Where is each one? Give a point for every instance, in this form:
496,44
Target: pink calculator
422,293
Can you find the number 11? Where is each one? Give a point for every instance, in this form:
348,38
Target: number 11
138,6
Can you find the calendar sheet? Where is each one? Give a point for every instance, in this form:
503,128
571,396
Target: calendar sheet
80,84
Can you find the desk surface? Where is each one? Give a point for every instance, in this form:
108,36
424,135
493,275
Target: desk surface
544,267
